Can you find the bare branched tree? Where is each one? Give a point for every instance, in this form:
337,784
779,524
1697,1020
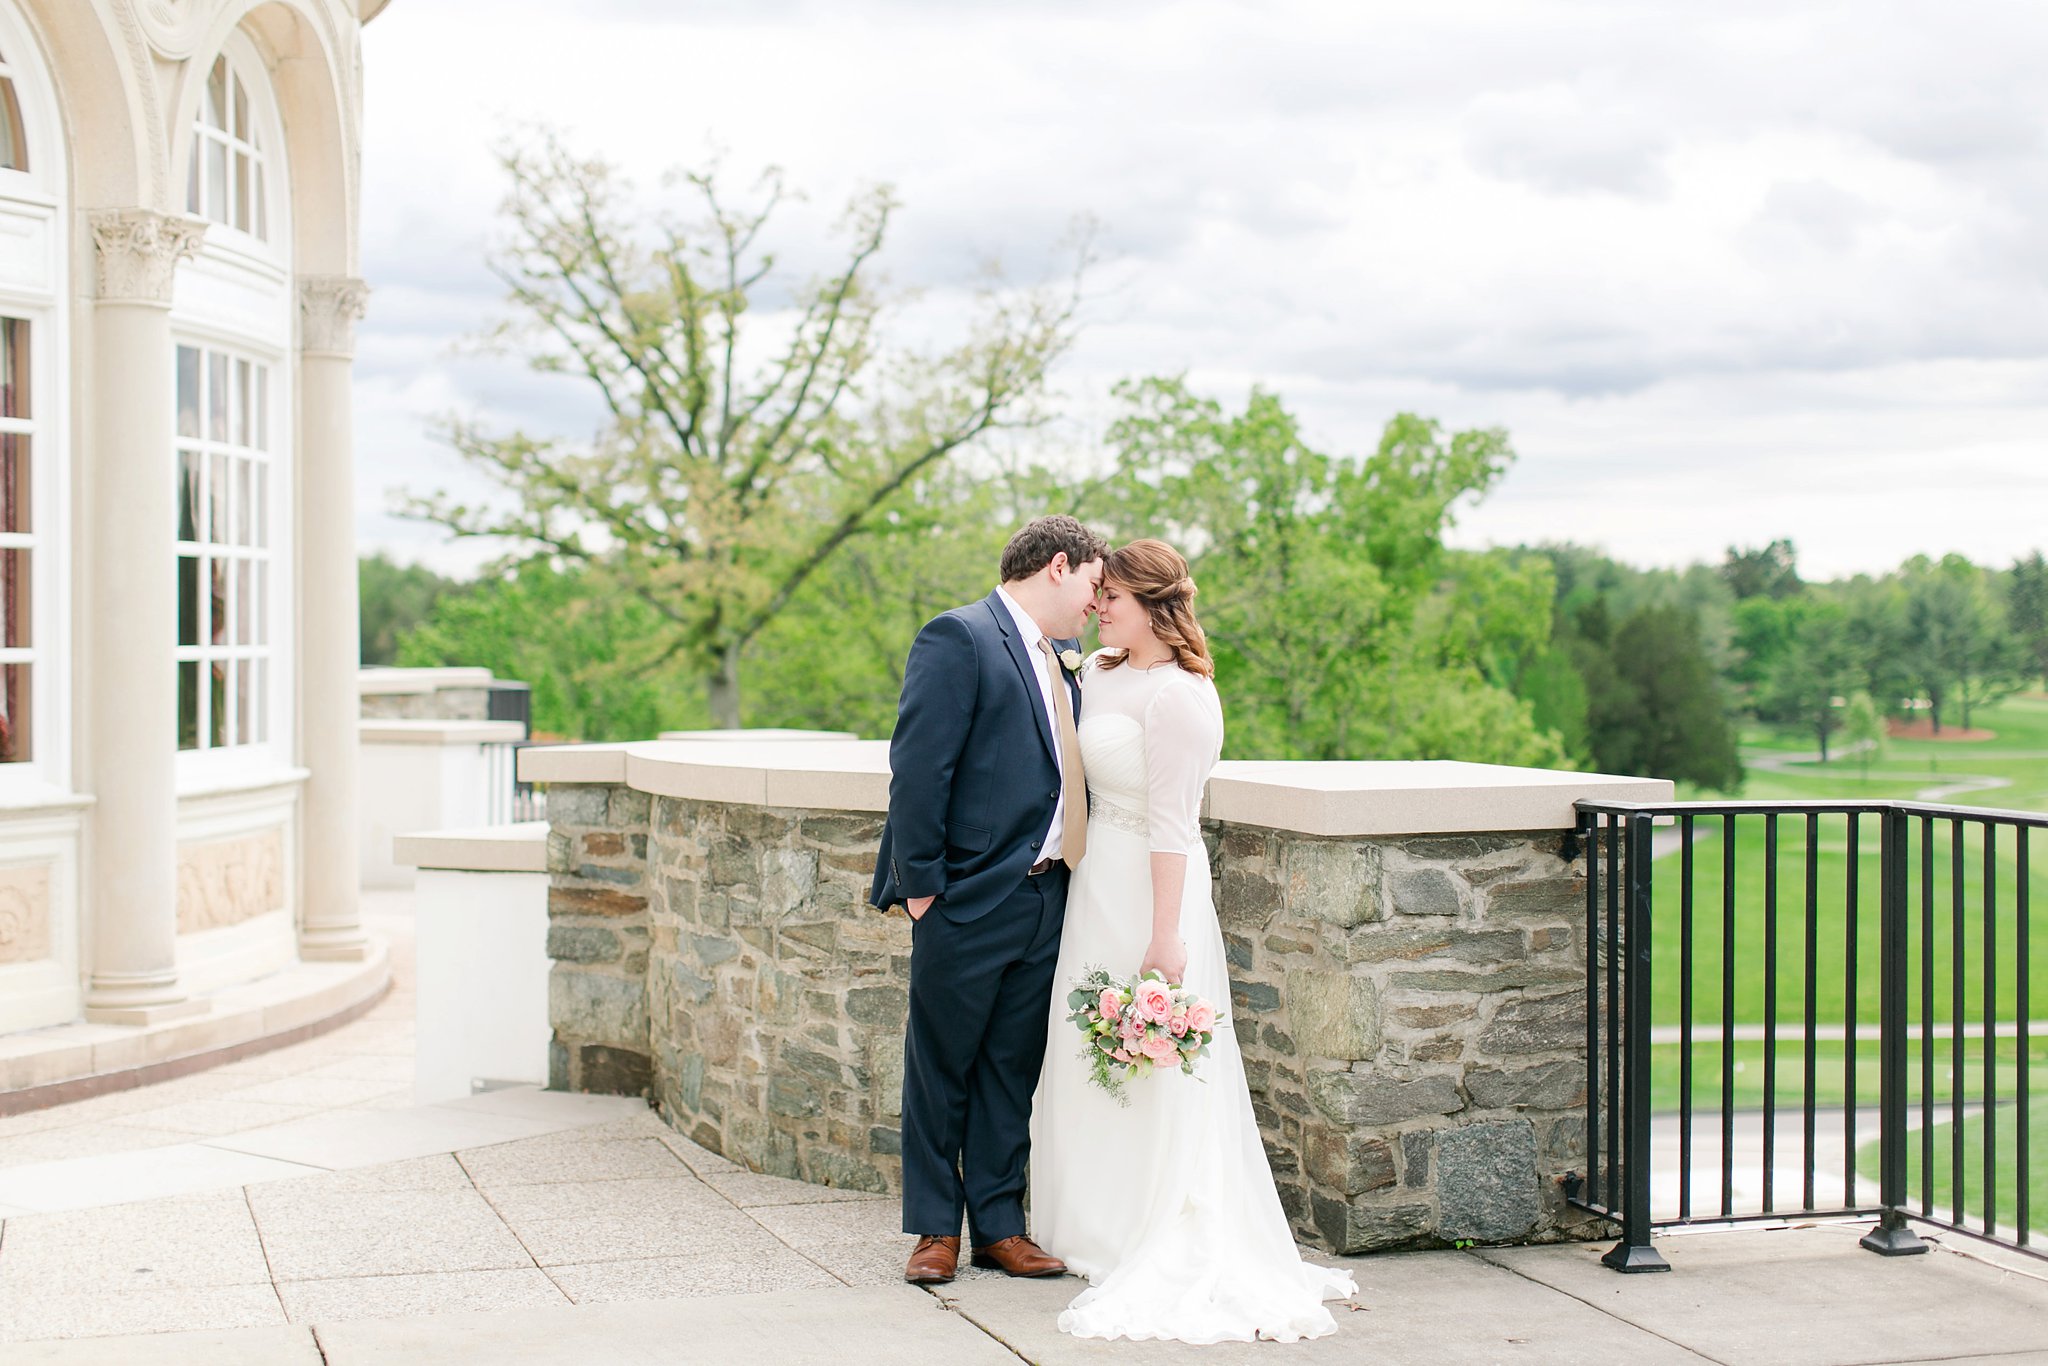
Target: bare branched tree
731,466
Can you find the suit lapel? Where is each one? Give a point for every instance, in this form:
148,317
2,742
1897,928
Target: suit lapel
1027,670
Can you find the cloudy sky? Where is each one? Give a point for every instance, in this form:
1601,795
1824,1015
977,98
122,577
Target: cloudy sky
1725,272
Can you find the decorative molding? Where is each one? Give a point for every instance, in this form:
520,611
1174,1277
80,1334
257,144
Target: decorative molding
328,308
224,882
25,913
139,251
173,27
143,67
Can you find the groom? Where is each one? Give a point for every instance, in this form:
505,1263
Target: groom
987,812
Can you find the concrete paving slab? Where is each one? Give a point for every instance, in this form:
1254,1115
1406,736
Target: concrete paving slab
1803,1295
750,1190
314,1236
358,1138
194,1240
438,1292
698,1159
657,1233
675,1278
279,1346
541,1161
680,1197
218,1115
438,1171
97,1138
315,1093
846,1327
151,1174
167,1309
565,1109
1416,1309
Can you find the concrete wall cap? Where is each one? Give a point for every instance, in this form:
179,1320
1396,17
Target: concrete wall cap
420,680
520,848
765,733
1340,798
392,732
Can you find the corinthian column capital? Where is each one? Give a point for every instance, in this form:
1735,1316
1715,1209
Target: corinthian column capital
139,251
328,308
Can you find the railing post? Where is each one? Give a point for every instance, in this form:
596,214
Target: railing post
1893,1236
1633,1252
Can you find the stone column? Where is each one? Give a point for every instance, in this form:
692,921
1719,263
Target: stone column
330,918
131,690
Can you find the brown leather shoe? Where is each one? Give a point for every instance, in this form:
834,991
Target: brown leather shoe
933,1261
1020,1257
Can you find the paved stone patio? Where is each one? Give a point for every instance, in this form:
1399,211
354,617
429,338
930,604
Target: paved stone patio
526,1227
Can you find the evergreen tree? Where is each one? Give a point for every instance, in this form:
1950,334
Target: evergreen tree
1656,708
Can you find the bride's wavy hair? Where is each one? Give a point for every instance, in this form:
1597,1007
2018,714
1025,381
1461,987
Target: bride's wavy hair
1153,573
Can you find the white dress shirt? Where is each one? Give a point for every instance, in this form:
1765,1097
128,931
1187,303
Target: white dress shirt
1028,632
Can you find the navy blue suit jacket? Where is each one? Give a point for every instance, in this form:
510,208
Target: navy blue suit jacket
973,769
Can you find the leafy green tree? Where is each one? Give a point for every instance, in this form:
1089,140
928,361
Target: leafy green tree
583,647
394,598
2027,609
1958,646
1320,577
1769,571
753,426
1810,677
1657,706
1863,728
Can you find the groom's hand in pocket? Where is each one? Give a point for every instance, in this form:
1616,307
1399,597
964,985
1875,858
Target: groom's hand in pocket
916,906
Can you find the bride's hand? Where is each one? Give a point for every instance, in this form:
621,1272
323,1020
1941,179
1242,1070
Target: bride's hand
1169,957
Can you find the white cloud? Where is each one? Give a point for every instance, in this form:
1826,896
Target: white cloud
1726,272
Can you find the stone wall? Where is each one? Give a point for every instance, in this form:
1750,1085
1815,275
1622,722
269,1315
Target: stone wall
441,704
1411,1010
598,937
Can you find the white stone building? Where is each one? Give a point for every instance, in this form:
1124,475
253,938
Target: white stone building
179,185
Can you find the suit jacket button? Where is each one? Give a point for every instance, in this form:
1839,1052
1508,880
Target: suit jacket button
1034,844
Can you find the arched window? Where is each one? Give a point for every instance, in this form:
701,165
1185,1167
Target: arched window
224,183
32,476
231,322
13,137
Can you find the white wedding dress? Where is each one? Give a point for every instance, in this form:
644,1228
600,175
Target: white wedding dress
1167,1207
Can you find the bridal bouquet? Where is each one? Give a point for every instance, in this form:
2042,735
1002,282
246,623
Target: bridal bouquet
1136,1026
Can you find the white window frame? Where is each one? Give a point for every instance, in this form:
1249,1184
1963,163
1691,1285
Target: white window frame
32,201
238,296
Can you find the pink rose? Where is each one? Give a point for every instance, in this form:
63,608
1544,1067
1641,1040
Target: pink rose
1159,1048
1153,1001
1131,1029
1122,1055
1111,1005
1201,1017
1179,1026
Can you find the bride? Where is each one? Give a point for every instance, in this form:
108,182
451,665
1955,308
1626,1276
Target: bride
1167,1207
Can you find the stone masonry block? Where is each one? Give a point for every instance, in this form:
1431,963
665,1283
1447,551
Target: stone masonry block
1537,1024
1371,1098
1547,1086
1334,1014
578,803
598,1007
1333,881
1425,891
1486,1180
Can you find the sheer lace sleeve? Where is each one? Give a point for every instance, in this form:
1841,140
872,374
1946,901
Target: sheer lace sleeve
1183,737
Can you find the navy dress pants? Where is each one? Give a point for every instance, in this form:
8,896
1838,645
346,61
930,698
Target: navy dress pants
979,993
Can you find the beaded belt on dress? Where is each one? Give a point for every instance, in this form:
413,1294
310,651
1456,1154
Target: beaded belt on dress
1117,815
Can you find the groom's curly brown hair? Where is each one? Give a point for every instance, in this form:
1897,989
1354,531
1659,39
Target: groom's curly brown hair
1041,538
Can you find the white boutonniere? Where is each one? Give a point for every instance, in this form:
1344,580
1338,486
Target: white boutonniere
1070,660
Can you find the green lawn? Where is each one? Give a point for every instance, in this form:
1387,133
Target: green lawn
2006,1140
1830,1072
1757,909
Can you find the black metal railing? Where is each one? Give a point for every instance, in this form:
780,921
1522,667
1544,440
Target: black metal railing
1699,969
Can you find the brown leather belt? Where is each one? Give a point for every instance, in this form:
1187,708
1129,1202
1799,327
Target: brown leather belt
1044,865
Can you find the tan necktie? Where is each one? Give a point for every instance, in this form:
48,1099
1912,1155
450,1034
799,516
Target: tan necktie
1073,788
